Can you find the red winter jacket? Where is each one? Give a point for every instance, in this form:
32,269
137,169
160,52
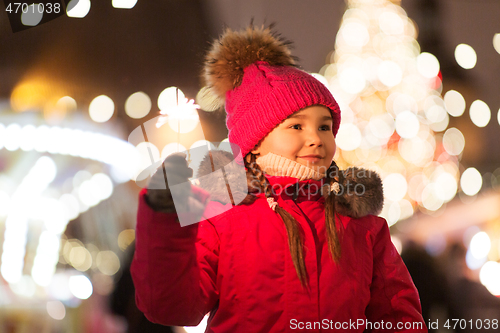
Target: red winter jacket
238,267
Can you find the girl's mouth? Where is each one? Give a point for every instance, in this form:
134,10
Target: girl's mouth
311,158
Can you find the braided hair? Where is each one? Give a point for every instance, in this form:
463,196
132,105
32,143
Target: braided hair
257,182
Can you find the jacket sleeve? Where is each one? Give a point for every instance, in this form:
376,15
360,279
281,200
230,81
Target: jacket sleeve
394,297
174,268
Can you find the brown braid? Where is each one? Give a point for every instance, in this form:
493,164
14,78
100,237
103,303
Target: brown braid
255,174
332,234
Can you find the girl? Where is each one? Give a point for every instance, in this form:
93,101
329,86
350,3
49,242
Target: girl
304,249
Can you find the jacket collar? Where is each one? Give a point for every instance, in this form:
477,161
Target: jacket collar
360,195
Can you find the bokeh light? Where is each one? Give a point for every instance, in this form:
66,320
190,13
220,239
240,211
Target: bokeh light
480,245
454,102
185,124
13,135
78,8
496,42
390,73
480,113
465,56
489,275
446,186
171,148
80,258
108,262
395,186
125,4
56,310
471,181
80,286
25,287
427,65
407,124
354,33
125,238
431,198
102,185
170,98
352,80
138,105
473,262
66,104
101,109
28,137
348,137
391,23
148,153
453,141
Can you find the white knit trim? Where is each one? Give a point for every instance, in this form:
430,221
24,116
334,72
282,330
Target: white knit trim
276,165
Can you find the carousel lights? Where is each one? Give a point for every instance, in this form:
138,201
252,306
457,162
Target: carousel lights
74,142
46,258
16,225
24,287
12,137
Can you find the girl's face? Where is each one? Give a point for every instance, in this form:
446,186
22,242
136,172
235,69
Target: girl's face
305,137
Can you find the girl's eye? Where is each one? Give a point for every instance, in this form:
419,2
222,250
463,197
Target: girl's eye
296,126
325,128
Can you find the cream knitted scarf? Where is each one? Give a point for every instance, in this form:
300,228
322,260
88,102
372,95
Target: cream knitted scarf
276,165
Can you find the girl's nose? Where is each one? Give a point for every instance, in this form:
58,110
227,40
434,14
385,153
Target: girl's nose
314,139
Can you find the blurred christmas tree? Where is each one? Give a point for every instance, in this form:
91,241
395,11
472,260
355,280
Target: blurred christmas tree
394,120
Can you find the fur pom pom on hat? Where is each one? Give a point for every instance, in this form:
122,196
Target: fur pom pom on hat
253,73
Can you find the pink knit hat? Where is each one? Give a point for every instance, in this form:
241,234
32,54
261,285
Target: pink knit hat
253,72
